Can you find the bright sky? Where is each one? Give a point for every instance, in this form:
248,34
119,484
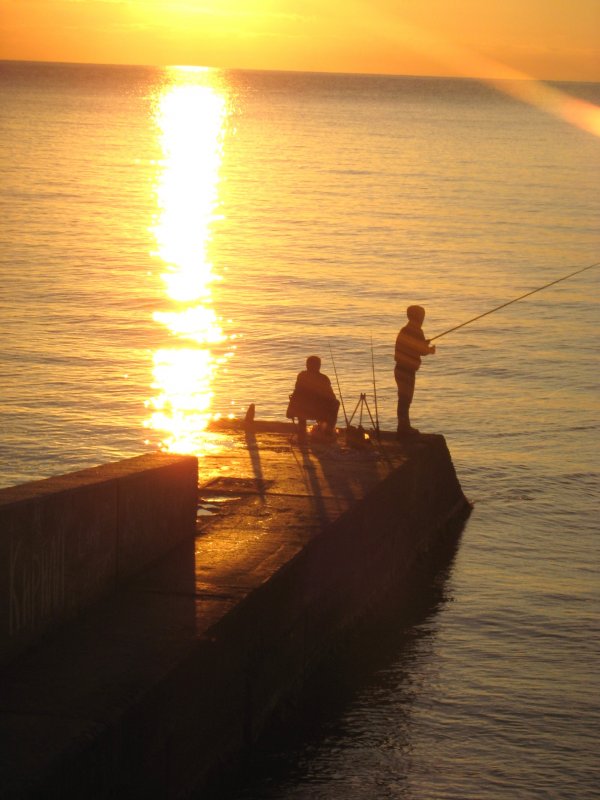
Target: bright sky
548,39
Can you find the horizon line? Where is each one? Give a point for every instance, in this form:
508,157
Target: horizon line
480,78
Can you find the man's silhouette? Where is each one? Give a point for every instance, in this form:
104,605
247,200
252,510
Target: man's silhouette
313,398
411,344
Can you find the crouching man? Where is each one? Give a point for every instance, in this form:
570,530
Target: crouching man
313,398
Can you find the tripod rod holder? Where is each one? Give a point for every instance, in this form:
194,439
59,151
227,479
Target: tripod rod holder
362,405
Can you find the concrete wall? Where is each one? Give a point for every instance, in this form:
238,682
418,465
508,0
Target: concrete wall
66,541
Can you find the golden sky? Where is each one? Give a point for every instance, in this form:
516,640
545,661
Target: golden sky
548,39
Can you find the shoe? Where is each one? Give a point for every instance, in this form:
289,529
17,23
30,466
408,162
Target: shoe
405,433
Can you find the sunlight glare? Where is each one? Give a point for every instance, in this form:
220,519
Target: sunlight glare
469,63
191,116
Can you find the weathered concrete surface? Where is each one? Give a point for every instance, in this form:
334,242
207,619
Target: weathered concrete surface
66,541
181,669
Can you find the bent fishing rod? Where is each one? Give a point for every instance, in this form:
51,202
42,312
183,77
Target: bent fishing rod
338,385
516,300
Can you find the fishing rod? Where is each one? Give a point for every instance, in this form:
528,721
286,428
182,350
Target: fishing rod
522,297
374,387
338,385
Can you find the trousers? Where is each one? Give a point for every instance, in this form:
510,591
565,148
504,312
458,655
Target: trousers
405,381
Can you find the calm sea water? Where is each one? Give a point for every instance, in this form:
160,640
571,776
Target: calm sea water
176,242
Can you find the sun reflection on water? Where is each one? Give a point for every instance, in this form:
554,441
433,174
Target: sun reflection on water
191,115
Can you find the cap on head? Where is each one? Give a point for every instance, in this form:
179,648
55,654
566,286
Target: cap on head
415,313
313,363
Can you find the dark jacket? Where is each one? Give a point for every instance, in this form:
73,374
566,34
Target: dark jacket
410,346
313,397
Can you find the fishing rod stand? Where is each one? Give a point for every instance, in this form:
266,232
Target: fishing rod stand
357,436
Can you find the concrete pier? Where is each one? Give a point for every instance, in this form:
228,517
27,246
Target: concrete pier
183,665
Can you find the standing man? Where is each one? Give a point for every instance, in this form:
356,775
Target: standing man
411,344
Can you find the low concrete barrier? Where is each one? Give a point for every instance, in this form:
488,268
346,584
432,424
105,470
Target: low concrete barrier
65,541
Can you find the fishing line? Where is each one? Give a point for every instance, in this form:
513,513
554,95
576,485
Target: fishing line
516,300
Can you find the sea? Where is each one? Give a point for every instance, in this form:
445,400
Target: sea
174,242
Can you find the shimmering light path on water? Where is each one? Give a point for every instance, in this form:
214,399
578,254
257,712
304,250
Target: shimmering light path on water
153,219
190,115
